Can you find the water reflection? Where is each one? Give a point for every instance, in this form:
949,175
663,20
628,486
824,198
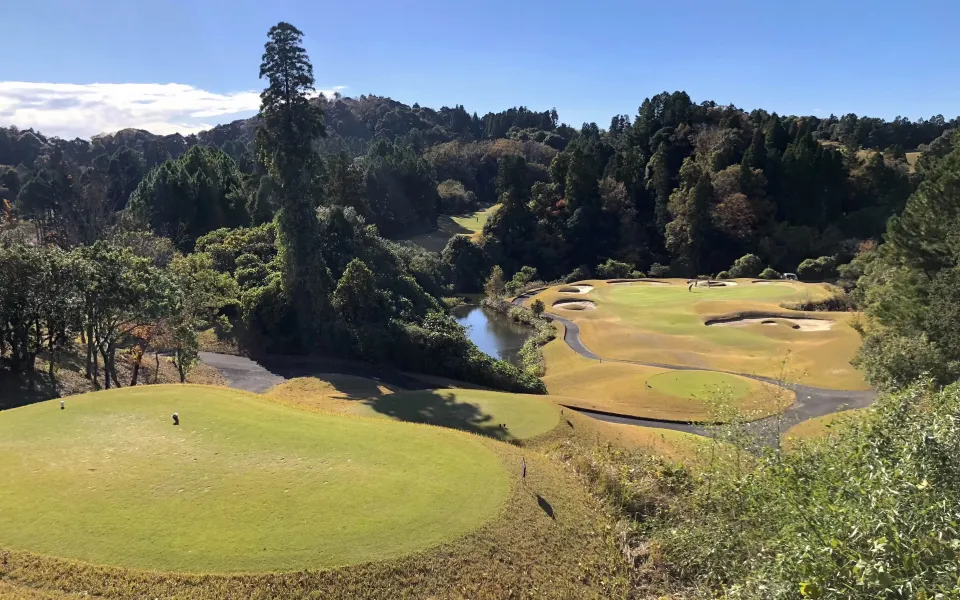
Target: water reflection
495,334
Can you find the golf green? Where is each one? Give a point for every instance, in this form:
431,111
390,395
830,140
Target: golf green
241,485
700,384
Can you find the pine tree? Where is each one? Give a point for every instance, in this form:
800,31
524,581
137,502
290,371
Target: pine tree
290,125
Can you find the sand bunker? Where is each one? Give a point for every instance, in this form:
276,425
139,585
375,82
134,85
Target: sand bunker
717,283
797,323
574,304
575,289
640,281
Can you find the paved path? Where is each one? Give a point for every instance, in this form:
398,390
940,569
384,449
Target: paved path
259,376
810,402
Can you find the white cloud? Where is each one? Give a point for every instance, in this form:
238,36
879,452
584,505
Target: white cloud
82,110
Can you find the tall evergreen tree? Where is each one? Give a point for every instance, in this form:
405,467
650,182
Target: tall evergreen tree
290,125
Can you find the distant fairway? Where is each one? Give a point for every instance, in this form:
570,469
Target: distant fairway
665,324
242,485
651,392
498,415
449,226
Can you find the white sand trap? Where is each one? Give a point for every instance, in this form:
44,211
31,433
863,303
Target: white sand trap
796,323
718,284
574,304
575,289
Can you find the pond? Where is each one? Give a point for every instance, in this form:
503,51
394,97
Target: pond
495,334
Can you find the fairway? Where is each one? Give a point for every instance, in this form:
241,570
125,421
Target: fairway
449,226
666,324
498,415
241,485
652,392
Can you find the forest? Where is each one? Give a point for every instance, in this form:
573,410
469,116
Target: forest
266,221
286,234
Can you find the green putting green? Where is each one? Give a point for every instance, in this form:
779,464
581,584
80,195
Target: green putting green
700,384
241,485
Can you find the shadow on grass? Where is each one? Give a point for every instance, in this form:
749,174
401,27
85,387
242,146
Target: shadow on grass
435,408
545,506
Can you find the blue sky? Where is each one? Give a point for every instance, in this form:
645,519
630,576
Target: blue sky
589,59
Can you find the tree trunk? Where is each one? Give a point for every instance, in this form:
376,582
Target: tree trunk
106,368
90,352
156,373
178,358
136,369
112,351
96,370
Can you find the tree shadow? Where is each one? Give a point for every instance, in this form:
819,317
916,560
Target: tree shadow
290,367
16,389
435,408
545,506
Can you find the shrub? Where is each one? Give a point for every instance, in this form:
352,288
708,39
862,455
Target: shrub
454,198
658,270
637,274
521,278
723,275
770,273
818,269
748,265
579,274
613,269
537,307
868,513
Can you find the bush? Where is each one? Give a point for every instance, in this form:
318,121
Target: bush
748,265
637,274
579,274
868,513
723,275
892,361
770,273
613,269
818,269
454,198
658,270
521,278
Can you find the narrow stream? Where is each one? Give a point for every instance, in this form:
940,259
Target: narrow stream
495,334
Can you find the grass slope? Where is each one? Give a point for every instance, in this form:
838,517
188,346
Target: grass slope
241,485
498,415
650,392
824,426
665,324
552,540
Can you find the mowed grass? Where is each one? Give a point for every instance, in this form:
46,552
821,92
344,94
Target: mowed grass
449,226
500,415
654,393
666,325
242,485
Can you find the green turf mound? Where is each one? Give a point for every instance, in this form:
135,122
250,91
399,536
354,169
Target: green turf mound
700,385
495,414
243,484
